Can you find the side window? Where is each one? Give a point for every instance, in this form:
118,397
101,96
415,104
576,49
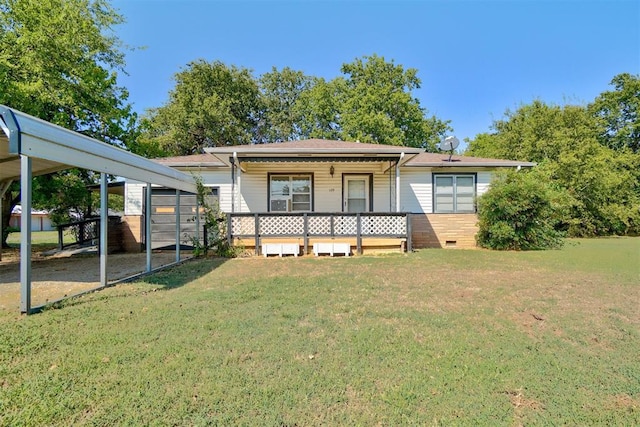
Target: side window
454,193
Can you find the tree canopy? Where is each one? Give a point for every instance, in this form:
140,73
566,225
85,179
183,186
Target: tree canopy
211,105
580,153
618,113
59,61
215,104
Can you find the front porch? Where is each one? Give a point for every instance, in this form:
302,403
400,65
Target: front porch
363,232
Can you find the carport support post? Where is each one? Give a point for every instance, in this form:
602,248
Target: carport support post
147,225
3,189
177,225
104,219
25,234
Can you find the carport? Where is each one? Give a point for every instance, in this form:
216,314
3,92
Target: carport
30,146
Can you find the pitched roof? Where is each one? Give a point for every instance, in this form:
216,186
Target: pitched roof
442,160
194,160
313,146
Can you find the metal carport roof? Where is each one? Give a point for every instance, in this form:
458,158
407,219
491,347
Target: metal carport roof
30,146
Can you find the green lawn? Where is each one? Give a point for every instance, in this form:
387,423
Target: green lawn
437,337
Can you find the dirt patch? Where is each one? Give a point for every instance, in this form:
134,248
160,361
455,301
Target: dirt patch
64,275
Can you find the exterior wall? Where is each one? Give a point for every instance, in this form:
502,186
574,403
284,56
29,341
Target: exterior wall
416,196
39,222
133,197
444,230
327,189
131,227
416,190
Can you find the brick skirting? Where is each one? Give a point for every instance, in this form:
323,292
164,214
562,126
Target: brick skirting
444,230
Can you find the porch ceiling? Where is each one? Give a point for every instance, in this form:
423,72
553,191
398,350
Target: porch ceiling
319,159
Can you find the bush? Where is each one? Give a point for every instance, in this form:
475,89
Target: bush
520,212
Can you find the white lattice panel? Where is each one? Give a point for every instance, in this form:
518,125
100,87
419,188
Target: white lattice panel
345,225
287,225
383,225
319,225
243,225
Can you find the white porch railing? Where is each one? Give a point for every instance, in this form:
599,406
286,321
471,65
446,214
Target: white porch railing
317,224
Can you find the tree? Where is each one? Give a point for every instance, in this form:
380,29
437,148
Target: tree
59,61
211,105
520,212
603,184
378,107
618,113
319,109
280,92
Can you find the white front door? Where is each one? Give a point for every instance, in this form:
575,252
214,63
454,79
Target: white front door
356,193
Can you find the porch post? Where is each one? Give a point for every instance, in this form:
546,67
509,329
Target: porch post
147,225
306,233
25,234
359,233
233,185
104,219
256,229
398,182
229,230
409,232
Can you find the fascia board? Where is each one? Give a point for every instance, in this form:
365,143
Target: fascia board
40,139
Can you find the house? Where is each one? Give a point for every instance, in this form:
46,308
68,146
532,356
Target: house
369,196
40,219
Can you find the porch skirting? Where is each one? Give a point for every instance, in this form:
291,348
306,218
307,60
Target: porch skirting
444,230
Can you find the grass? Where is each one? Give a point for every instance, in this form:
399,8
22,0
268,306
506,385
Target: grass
437,337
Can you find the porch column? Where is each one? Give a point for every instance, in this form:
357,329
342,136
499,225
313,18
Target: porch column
238,182
25,234
398,182
104,219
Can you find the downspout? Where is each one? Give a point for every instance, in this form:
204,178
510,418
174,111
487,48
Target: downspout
398,182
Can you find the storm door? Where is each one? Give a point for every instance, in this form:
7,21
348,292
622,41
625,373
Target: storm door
356,193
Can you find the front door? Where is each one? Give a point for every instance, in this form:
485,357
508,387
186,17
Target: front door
356,193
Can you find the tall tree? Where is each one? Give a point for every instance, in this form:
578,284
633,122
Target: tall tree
59,61
618,113
211,105
281,91
603,185
378,105
319,109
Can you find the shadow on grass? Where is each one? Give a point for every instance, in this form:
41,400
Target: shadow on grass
162,279
180,275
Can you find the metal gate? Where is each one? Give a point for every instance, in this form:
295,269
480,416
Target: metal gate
163,217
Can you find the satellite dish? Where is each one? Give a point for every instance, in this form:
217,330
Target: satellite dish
450,143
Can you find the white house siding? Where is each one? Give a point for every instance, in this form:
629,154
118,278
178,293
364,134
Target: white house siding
327,189
416,187
483,181
133,195
416,190
221,179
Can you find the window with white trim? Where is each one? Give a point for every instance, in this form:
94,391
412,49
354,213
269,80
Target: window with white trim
454,193
290,193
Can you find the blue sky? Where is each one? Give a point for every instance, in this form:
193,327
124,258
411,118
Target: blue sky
476,59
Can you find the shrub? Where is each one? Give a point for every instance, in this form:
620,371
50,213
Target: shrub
520,212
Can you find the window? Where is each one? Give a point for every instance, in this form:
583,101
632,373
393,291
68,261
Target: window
454,193
290,193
